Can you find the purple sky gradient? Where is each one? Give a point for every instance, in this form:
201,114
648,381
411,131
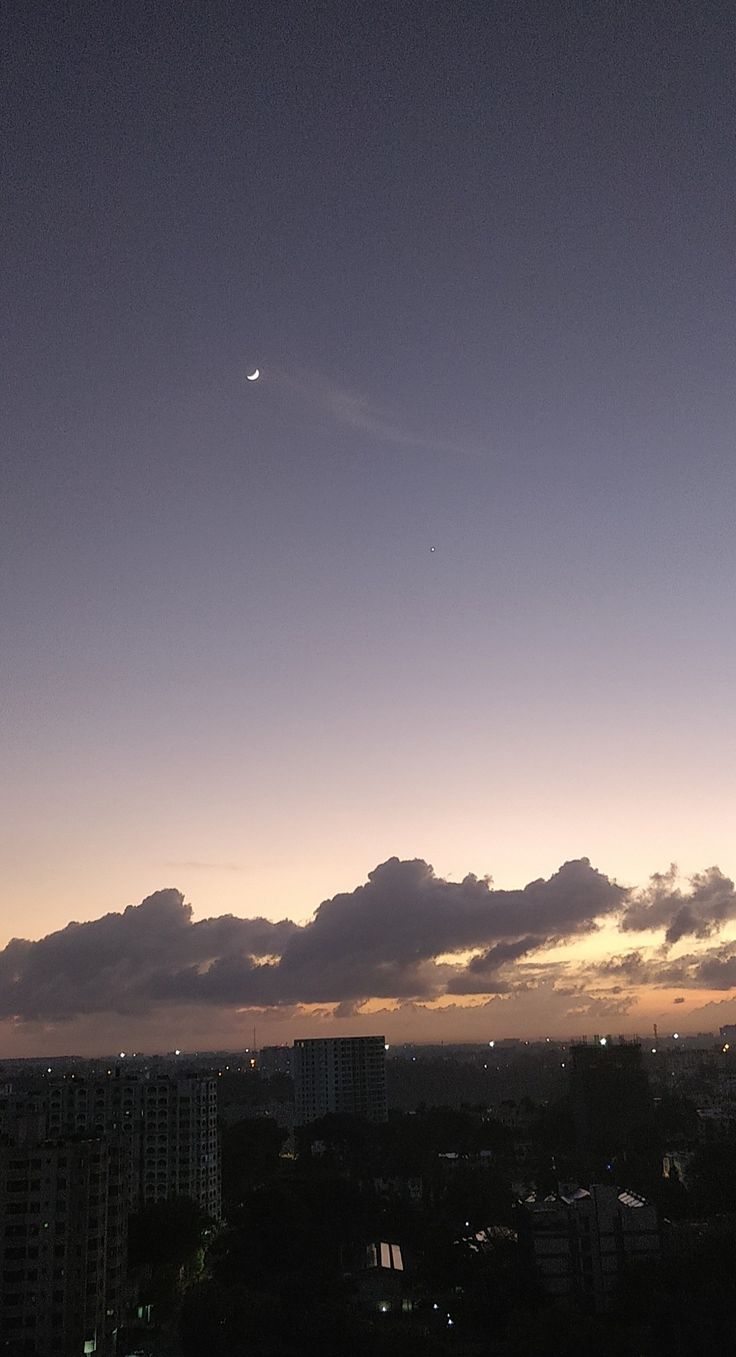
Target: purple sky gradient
484,258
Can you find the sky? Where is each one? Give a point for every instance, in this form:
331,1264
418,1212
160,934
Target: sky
445,596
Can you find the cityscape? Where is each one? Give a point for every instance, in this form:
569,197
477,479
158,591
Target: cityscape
443,1199
367,656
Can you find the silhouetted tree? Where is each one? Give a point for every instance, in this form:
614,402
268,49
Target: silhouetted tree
250,1156
166,1233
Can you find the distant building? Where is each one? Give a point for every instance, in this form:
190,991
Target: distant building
344,1075
274,1060
168,1124
578,1241
611,1102
62,1248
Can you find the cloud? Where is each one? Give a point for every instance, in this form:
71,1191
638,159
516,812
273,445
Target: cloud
356,411
630,966
382,938
717,1012
698,912
488,972
121,961
715,970
378,941
712,968
404,936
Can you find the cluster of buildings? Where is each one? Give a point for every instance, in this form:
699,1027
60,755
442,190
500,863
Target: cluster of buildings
76,1157
81,1150
578,1241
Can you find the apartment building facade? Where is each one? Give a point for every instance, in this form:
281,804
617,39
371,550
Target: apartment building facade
341,1075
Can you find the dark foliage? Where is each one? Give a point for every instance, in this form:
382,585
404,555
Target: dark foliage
250,1155
166,1234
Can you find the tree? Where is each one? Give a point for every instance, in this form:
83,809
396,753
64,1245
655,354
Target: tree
166,1234
250,1156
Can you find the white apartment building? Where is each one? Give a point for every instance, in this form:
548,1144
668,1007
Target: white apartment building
168,1124
343,1075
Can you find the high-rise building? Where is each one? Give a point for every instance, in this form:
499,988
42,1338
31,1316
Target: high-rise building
63,1208
181,1142
611,1104
168,1125
578,1242
344,1075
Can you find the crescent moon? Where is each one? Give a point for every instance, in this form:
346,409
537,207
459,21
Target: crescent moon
253,376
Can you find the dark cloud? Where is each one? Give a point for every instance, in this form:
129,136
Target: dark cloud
120,961
392,938
713,968
488,972
699,911
630,966
380,940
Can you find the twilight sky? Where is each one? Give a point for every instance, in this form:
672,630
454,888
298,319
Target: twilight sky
453,583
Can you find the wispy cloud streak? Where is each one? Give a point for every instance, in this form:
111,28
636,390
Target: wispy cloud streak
356,411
